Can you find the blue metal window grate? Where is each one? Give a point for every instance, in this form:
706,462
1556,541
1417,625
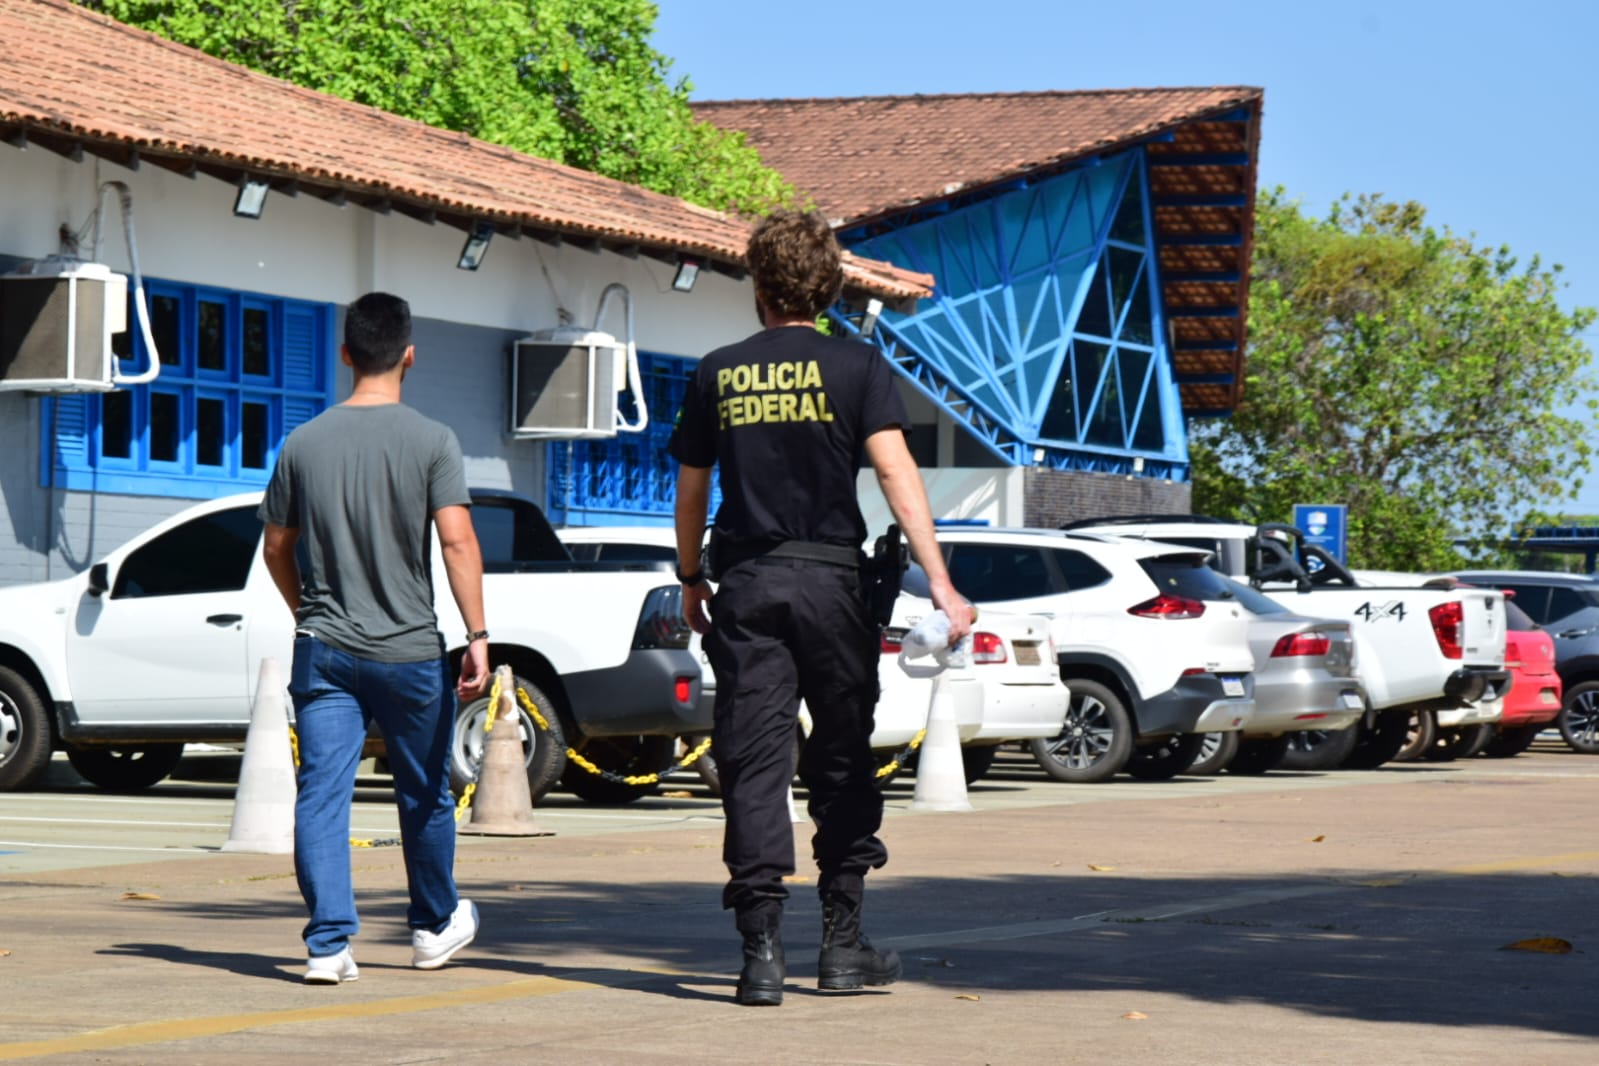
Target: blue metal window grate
239,371
1045,334
628,479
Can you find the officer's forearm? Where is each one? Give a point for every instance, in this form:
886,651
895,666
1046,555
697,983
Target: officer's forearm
693,497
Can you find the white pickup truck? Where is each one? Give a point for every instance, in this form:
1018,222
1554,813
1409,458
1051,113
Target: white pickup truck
161,644
1416,648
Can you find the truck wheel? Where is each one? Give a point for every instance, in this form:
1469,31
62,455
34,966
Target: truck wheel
544,749
1460,743
24,733
1421,732
1319,749
125,769
1166,758
1259,756
1096,740
625,756
1508,743
1378,743
1579,718
1216,750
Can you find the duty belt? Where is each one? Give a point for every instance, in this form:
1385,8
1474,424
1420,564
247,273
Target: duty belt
810,551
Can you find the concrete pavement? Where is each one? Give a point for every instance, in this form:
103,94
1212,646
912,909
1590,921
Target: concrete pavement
1303,918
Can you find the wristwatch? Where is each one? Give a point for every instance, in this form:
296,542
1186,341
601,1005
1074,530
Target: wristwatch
477,634
696,578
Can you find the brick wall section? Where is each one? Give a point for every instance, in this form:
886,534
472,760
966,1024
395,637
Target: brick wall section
1052,497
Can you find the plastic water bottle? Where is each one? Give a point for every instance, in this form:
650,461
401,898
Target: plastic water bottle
927,637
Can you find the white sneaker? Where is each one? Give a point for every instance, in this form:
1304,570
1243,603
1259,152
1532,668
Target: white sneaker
331,969
429,951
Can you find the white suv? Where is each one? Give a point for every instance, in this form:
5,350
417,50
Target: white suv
1151,642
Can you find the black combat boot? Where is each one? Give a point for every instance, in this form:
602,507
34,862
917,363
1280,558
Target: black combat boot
761,982
848,959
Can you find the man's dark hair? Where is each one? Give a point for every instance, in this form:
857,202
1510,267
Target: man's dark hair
377,331
797,264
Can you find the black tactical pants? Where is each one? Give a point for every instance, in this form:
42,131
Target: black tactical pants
783,630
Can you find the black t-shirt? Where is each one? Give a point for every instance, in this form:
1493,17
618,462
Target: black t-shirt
786,414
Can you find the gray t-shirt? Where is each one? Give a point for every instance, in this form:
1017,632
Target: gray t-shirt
361,484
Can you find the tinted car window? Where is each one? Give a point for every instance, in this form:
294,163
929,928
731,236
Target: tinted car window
1186,576
1532,599
1078,570
1565,601
1517,620
512,533
998,571
1253,601
637,553
211,553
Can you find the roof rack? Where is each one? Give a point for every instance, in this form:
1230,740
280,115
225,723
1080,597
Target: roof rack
1136,519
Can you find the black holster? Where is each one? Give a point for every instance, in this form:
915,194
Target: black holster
890,558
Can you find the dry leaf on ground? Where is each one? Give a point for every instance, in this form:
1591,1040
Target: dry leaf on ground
4,952
968,995
1542,945
1318,838
1135,1016
140,895
1101,869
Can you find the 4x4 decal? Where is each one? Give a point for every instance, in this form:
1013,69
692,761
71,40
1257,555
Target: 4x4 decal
1371,612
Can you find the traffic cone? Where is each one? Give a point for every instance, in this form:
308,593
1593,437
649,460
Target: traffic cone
793,812
940,774
502,804
263,804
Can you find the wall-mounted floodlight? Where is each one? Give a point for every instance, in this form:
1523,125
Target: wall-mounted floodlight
874,307
687,271
251,199
476,246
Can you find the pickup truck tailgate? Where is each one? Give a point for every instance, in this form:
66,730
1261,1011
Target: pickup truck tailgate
1482,635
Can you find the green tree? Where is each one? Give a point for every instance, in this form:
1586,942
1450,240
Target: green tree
1403,371
574,81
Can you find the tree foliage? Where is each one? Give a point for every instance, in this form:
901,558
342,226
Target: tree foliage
1401,370
574,81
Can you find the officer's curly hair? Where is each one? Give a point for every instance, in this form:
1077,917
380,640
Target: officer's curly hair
797,264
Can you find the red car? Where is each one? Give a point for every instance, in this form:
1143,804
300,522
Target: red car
1534,697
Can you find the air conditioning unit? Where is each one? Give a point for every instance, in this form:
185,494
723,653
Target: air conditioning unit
564,383
57,318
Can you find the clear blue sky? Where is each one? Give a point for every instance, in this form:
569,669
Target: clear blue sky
1481,111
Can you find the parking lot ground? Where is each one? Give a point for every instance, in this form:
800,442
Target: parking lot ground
1292,918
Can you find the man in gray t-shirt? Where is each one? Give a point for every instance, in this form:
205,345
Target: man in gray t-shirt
362,488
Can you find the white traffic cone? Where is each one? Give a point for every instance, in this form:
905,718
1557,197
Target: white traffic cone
502,803
263,804
940,774
793,812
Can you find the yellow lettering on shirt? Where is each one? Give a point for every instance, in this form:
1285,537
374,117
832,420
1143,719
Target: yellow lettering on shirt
771,393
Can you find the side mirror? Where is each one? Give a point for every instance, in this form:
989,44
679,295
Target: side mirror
99,579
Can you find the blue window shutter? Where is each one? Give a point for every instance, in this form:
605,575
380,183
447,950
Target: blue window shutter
302,348
73,432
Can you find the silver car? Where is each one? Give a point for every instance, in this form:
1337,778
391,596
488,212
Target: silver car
1306,690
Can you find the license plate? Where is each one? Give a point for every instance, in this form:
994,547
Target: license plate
1351,701
1232,686
1027,653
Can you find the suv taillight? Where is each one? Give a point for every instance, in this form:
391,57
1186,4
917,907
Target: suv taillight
1164,606
660,623
1297,644
1447,624
988,648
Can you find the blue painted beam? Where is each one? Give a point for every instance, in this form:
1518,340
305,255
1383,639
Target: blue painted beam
1237,114
1222,200
1200,159
1207,346
1227,277
1218,240
1202,312
1206,379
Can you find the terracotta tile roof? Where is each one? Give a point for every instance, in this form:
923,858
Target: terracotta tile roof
866,160
72,81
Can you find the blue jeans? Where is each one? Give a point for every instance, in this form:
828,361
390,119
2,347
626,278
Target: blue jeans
336,695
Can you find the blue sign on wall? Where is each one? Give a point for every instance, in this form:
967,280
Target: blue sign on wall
1325,525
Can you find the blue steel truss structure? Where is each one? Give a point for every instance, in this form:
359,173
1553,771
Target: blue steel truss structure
1045,336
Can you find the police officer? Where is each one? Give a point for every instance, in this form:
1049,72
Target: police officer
788,415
